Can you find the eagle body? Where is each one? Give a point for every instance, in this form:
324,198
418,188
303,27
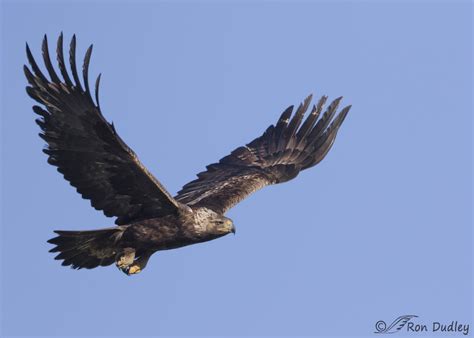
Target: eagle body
175,231
93,158
143,238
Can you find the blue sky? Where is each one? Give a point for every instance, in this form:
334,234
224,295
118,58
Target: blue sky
381,228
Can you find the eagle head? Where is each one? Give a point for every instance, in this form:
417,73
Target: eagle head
224,226
209,224
220,226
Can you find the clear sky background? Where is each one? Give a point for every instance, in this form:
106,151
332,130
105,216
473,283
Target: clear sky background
381,228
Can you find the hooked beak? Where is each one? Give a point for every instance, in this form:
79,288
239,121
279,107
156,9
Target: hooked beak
233,229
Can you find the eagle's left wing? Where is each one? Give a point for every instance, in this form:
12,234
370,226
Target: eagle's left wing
275,157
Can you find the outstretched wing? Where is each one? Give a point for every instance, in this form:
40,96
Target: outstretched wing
275,157
86,148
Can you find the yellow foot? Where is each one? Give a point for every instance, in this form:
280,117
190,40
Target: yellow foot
134,269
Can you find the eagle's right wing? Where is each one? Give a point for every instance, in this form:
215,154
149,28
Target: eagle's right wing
86,148
275,157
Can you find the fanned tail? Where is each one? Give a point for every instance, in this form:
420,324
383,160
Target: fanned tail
87,249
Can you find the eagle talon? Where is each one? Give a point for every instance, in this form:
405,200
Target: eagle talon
133,270
136,266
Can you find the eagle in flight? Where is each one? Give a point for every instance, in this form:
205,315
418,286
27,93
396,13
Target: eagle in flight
89,153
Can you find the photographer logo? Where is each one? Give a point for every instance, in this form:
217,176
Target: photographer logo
411,324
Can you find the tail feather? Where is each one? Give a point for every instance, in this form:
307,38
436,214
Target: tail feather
87,249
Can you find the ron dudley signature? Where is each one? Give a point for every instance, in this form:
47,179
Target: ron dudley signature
409,324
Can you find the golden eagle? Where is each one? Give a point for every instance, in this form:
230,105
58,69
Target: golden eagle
90,154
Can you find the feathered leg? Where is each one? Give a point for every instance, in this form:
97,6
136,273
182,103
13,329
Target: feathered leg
125,258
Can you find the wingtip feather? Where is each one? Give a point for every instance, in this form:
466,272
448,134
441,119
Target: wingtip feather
72,61
85,68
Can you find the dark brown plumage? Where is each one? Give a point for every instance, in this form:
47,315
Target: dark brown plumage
89,153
